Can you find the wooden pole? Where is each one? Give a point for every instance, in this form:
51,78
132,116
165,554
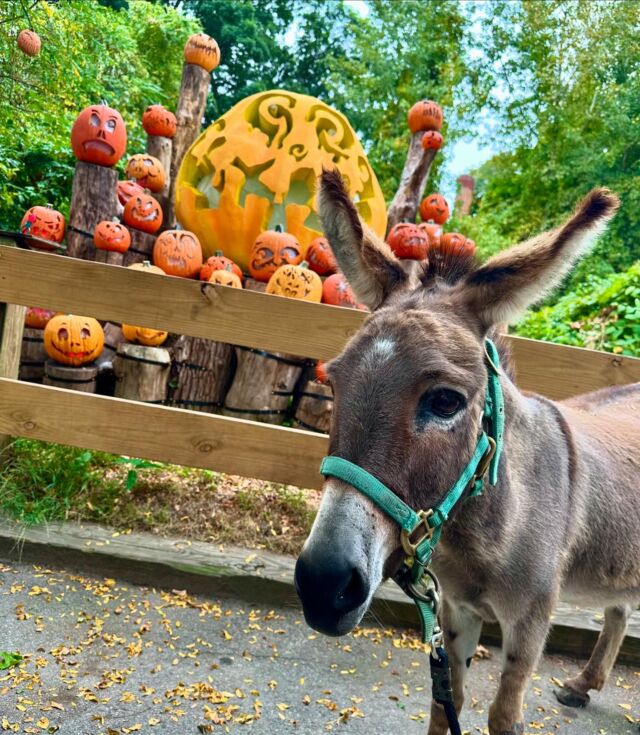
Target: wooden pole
161,148
415,173
93,199
191,106
140,249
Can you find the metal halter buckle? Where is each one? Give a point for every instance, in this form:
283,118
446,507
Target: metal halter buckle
483,464
410,540
425,591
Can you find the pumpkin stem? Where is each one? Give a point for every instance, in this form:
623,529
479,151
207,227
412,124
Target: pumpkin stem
146,263
278,228
304,264
219,254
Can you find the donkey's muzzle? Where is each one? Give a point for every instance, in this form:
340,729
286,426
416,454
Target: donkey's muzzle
332,590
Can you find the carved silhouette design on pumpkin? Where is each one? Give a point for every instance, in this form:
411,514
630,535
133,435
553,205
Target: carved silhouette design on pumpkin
256,167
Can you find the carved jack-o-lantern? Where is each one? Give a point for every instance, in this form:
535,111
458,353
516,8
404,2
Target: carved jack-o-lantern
225,277
336,291
157,120
36,318
433,232
408,241
218,262
434,207
202,50
432,140
256,167
271,250
144,336
111,236
296,282
99,136
73,340
425,115
147,170
43,222
29,42
126,189
142,212
453,243
321,258
178,253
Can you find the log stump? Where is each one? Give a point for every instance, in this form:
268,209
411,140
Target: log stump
113,337
32,355
201,374
81,378
93,199
263,385
315,404
142,373
141,247
161,148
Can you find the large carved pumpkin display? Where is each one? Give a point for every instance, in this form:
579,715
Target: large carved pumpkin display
99,135
256,167
73,340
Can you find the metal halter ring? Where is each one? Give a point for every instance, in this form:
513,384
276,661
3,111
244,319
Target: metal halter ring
423,593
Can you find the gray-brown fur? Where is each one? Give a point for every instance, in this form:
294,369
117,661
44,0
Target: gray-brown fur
564,516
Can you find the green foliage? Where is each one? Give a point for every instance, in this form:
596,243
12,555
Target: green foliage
602,313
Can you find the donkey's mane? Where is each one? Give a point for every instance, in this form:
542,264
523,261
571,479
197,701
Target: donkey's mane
446,268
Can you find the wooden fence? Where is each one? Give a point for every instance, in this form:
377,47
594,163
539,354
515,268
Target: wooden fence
246,318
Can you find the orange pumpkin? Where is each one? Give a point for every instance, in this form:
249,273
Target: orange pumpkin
218,262
321,372
225,277
178,253
336,291
433,232
43,222
425,115
320,257
36,318
157,120
126,189
99,136
453,243
29,42
434,207
73,340
111,235
432,140
144,336
271,250
202,50
142,212
295,282
147,171
146,267
408,241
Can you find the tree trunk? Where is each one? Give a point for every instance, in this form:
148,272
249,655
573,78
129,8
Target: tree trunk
191,105
33,355
161,148
82,378
464,200
142,373
93,199
141,247
314,407
404,206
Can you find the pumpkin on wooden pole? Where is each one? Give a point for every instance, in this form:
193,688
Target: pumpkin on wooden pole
161,125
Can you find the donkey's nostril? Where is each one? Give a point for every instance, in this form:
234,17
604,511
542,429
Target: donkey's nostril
353,595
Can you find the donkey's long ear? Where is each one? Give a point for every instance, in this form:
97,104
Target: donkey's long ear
366,261
498,291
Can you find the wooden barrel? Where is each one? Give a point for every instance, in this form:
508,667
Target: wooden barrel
201,374
140,249
263,386
32,355
142,373
313,410
82,378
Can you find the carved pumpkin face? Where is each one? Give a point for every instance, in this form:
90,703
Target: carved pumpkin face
408,241
336,291
218,262
425,115
178,253
142,212
433,233
147,170
434,207
271,250
296,282
99,136
453,243
432,140
29,42
36,318
157,120
73,340
257,166
43,222
225,277
111,236
126,189
320,257
202,50
144,336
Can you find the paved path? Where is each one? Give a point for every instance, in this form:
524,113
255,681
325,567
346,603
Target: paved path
104,657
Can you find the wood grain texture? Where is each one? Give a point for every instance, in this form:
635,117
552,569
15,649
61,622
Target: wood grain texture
11,331
314,407
142,373
32,355
170,435
161,147
81,378
141,247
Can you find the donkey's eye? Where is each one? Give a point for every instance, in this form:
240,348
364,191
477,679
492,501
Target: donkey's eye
441,402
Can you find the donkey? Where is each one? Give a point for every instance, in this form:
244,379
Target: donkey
409,387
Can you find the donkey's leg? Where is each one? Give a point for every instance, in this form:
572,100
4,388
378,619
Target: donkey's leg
523,641
598,668
461,627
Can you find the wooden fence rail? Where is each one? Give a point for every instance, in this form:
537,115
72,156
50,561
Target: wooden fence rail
244,318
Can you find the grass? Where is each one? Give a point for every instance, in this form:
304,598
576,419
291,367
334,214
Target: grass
49,482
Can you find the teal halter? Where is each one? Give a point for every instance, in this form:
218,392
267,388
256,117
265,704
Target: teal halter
420,531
